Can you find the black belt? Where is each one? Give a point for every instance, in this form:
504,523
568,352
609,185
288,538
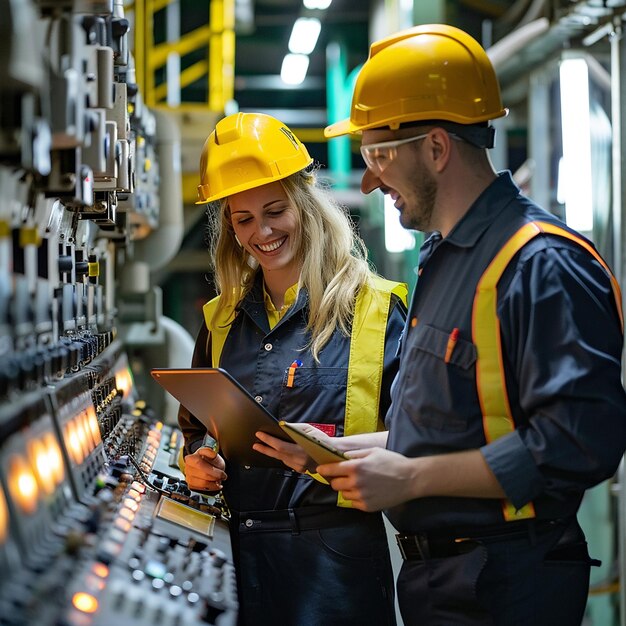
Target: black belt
304,518
438,544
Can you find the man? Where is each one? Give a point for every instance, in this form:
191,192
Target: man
508,403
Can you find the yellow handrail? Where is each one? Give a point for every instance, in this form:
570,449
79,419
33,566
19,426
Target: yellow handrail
217,37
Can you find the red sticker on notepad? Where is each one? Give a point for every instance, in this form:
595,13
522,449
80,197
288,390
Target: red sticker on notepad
328,429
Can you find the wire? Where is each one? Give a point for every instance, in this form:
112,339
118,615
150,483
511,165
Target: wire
145,480
218,511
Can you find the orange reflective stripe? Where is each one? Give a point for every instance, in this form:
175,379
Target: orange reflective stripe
555,230
492,394
490,381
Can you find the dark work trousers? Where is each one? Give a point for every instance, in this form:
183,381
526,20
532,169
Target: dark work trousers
328,568
538,579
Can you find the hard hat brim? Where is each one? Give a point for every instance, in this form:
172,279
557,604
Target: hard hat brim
343,127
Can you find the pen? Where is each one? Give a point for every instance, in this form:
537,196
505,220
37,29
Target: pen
452,339
292,372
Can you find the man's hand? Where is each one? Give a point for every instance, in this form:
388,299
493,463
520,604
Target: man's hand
291,454
373,479
376,478
204,470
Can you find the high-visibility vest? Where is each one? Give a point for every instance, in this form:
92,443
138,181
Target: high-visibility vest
366,360
490,380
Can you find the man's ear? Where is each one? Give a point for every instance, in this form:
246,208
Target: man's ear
440,145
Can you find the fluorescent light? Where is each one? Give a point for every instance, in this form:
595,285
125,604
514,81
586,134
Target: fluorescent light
575,170
316,4
304,35
397,238
294,68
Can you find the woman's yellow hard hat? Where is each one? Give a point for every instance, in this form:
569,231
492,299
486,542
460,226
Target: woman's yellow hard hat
247,150
428,72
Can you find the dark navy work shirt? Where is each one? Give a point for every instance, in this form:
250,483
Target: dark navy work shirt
561,343
259,358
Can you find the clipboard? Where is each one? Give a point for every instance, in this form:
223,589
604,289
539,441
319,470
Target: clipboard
317,449
226,409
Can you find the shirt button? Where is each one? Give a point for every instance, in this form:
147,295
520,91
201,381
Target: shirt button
259,399
248,523
268,347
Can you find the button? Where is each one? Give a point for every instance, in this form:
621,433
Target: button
268,347
138,575
259,399
249,523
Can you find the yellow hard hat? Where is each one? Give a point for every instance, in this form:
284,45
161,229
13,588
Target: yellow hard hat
428,72
247,150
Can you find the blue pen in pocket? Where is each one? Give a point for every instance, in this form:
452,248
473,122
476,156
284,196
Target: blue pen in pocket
292,372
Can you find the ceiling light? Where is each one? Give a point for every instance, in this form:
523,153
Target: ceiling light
575,169
294,68
304,35
316,4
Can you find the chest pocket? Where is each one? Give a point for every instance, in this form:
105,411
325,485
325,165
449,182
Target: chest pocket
317,393
451,387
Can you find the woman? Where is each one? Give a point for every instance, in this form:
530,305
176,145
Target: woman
303,324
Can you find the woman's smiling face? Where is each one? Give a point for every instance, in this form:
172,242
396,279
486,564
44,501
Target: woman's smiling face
265,223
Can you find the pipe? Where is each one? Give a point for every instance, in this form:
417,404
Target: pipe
162,245
179,349
517,40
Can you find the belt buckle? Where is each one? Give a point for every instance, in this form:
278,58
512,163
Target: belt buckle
399,540
418,541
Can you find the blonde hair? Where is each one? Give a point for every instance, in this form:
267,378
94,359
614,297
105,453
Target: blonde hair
333,258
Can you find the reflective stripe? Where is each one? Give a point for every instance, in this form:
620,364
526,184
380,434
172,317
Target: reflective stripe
366,360
555,230
490,380
219,330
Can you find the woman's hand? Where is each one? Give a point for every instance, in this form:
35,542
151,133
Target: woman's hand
291,454
204,470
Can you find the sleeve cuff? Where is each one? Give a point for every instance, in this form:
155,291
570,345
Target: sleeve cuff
192,446
514,468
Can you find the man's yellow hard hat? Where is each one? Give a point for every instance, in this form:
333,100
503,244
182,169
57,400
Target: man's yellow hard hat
428,72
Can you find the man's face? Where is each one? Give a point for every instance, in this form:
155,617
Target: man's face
398,168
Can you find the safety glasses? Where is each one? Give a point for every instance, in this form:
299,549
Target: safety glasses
378,156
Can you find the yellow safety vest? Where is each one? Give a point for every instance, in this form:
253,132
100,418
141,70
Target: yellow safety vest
366,360
490,381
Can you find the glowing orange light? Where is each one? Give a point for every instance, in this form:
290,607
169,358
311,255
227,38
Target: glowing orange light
85,602
94,427
73,443
127,514
23,485
55,460
134,494
4,518
138,486
40,461
83,435
129,503
159,425
123,524
124,381
100,569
